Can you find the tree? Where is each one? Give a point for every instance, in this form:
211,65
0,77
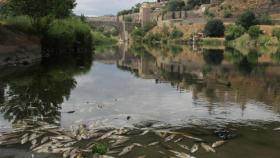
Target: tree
254,31
175,5
40,8
264,19
214,28
247,20
234,31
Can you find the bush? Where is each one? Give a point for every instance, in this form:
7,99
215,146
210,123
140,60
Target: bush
175,5
176,34
276,33
254,31
214,28
264,19
20,23
153,37
100,39
67,35
234,31
137,34
247,20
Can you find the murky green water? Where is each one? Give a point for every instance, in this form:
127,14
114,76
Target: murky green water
195,89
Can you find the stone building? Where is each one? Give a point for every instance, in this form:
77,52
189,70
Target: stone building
145,14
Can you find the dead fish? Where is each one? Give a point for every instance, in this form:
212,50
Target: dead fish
106,135
169,138
218,143
208,148
44,140
161,134
120,141
143,156
34,136
193,138
161,152
194,148
153,144
128,149
144,133
113,152
62,138
24,140
184,146
178,140
181,154
277,129
66,153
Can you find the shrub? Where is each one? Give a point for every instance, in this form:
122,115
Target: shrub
254,31
153,37
214,28
247,20
137,33
67,35
176,34
100,39
276,33
264,19
227,14
20,23
175,5
234,31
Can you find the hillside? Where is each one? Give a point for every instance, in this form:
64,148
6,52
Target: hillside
235,7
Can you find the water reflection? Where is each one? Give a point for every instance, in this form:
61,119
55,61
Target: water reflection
38,92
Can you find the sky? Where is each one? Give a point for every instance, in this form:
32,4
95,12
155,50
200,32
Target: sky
103,7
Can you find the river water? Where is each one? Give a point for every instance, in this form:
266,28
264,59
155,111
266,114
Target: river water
197,90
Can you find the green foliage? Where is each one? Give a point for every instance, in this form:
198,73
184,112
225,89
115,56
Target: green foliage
100,39
276,33
137,34
100,149
227,14
20,23
264,19
214,28
234,31
176,34
68,35
40,8
175,5
213,57
153,37
128,19
254,31
134,9
191,4
247,20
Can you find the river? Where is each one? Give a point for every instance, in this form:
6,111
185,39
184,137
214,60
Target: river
196,90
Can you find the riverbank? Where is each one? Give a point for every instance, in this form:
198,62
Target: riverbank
17,47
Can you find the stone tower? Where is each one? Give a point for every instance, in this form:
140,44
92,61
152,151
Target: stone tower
145,14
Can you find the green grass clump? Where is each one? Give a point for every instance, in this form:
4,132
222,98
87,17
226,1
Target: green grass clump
100,148
19,23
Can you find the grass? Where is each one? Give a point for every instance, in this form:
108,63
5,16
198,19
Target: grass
19,23
213,41
100,39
